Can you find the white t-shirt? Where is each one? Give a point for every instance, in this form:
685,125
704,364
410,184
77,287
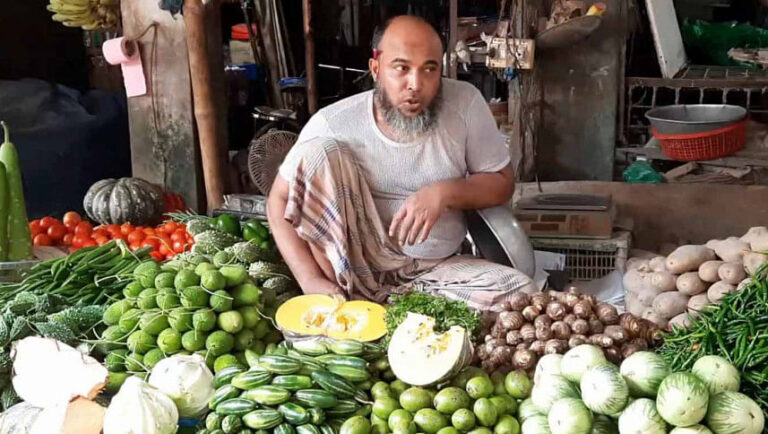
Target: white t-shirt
464,141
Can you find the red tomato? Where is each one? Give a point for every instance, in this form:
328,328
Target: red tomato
101,240
47,222
151,242
112,229
170,256
35,228
149,231
57,231
178,235
164,249
126,228
71,219
78,241
84,229
136,236
157,256
169,227
89,242
42,240
67,240
100,232
178,246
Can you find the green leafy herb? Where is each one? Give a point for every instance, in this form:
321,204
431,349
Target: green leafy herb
447,313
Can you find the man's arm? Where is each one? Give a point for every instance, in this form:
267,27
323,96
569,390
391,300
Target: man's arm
295,251
420,211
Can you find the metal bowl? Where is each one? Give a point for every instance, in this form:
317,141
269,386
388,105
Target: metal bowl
694,118
500,239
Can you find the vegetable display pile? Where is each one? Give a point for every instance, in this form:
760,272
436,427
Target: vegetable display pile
582,393
737,329
447,313
676,288
224,231
188,305
552,322
15,243
308,387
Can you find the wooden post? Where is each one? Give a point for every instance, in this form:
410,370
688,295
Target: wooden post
205,105
264,19
309,56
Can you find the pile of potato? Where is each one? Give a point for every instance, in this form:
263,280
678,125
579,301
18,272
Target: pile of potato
671,290
530,326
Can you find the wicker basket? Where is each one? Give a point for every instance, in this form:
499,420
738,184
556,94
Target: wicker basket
708,145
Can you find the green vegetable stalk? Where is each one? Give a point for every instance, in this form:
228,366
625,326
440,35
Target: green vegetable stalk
447,313
19,238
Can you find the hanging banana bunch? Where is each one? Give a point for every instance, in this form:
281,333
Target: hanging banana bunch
88,14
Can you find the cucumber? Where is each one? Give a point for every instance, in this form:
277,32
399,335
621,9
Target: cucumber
337,360
235,406
292,382
294,414
268,395
311,347
251,379
225,375
307,429
222,394
346,347
317,416
334,383
316,398
263,419
353,374
231,424
279,364
343,409
284,428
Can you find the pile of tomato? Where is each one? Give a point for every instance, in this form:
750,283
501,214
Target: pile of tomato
166,240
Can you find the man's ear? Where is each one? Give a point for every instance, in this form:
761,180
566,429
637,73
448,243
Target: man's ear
373,66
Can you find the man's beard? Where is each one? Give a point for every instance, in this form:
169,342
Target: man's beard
407,128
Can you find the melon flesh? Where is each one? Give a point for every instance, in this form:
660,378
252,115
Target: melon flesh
420,356
321,315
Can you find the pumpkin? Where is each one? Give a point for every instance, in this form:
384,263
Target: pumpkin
117,201
321,315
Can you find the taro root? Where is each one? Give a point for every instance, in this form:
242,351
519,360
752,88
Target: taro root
519,300
556,310
522,346
524,359
607,314
596,327
531,312
571,299
600,340
542,321
544,333
589,298
580,326
613,354
514,337
560,330
528,332
540,300
498,331
630,348
537,347
501,355
576,340
555,346
617,333
511,320
569,319
582,309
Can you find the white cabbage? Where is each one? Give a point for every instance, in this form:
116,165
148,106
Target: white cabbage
578,359
550,389
682,399
548,365
570,416
643,372
604,390
140,408
734,413
693,429
719,374
641,417
536,425
187,381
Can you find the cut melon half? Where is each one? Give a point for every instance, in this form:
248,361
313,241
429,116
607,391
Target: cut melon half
420,356
321,315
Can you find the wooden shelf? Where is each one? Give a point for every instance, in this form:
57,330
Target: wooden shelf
739,160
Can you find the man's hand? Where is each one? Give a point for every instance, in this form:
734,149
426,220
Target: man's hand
418,214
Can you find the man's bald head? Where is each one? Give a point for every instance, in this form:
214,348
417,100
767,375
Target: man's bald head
407,72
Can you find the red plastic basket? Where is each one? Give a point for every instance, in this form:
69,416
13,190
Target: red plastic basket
703,146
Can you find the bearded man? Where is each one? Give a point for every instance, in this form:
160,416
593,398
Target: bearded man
371,199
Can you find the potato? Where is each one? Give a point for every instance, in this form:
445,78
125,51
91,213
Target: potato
757,237
730,249
690,284
635,281
654,317
638,264
669,304
648,295
753,261
708,271
696,304
743,283
688,258
663,281
680,321
658,264
634,306
718,290
732,272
